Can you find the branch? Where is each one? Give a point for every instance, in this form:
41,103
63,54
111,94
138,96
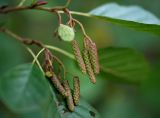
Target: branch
39,44
25,41
31,7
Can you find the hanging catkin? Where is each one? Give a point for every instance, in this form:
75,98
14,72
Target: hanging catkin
78,56
94,57
58,85
69,97
88,66
76,90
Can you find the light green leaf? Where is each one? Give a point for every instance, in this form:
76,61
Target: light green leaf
133,17
124,64
26,92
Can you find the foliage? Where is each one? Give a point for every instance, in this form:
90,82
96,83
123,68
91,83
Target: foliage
25,92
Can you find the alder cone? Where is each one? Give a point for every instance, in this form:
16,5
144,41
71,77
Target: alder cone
78,56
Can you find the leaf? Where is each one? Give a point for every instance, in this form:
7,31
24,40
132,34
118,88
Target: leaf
124,64
8,47
26,92
24,89
133,17
83,110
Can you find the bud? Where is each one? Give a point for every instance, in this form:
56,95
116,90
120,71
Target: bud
66,33
78,56
69,97
48,74
76,90
41,2
88,66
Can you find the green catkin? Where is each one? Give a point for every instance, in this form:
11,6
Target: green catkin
78,56
69,97
58,85
94,57
76,90
88,66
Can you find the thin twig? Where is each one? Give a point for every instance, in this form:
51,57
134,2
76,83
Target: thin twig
61,64
39,65
60,51
21,3
21,39
68,2
81,26
36,57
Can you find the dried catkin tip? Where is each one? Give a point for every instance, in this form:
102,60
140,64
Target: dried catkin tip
58,85
88,66
76,90
78,56
69,97
94,57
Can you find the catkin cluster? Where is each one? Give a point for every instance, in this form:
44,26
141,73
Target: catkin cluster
88,59
62,86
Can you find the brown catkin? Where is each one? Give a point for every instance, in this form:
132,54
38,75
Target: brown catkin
69,97
94,57
88,66
78,56
76,90
58,85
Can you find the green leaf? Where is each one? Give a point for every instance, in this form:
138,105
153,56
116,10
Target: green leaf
133,17
26,92
24,89
83,110
8,47
124,64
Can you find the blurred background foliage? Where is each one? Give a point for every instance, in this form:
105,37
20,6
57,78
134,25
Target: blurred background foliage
111,99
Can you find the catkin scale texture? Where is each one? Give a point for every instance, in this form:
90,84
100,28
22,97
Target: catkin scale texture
69,98
58,85
94,57
76,90
78,56
88,66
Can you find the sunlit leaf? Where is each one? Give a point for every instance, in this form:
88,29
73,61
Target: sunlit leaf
133,17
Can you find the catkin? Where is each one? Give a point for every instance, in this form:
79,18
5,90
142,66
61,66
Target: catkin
76,90
94,57
88,66
58,85
69,97
78,56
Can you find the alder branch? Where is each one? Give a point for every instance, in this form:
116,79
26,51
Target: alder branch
25,41
30,7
